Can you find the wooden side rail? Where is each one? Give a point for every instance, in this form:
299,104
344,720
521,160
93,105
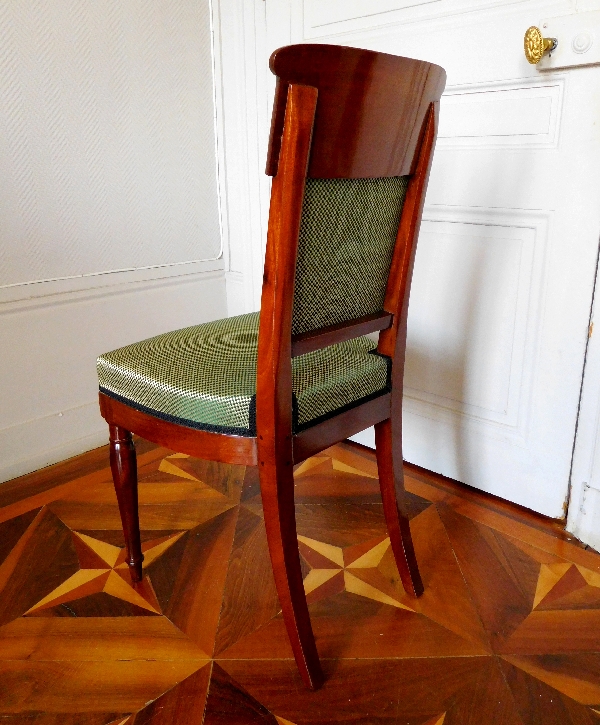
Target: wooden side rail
336,429
324,336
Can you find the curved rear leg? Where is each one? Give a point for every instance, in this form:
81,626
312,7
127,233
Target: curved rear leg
277,491
123,465
391,482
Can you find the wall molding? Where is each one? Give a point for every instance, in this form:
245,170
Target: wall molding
48,348
583,518
46,440
27,291
107,287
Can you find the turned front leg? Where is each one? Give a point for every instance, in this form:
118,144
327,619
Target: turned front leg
123,465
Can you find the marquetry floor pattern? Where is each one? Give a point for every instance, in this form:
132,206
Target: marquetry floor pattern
507,632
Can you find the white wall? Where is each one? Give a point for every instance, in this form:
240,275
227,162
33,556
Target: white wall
244,111
109,212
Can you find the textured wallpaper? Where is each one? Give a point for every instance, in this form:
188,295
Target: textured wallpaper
107,152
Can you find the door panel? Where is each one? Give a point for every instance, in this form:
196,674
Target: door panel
506,260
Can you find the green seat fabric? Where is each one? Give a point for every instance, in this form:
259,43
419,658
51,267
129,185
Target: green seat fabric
205,377
347,237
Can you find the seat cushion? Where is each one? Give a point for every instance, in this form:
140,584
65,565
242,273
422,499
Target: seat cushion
205,377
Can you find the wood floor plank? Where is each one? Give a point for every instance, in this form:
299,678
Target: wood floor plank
184,703
228,702
547,542
87,686
384,692
500,600
18,504
25,580
175,515
576,675
36,483
349,626
64,718
447,486
446,599
537,702
555,632
356,458
250,597
10,533
89,639
195,601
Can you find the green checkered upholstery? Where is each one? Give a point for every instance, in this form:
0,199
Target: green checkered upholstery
347,236
205,376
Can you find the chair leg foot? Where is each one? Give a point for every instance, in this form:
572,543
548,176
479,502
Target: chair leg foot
391,482
123,465
277,490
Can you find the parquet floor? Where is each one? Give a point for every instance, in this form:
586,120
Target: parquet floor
507,632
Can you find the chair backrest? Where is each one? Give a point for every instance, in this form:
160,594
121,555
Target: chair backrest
369,124
351,145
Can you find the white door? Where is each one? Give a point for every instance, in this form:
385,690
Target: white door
506,261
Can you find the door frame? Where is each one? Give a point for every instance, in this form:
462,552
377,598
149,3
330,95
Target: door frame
583,506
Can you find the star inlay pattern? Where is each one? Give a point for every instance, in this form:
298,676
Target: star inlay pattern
507,631
563,585
371,573
103,569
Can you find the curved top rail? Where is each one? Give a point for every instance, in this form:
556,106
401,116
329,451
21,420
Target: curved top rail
370,109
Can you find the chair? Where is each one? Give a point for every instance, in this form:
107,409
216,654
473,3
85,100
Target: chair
351,145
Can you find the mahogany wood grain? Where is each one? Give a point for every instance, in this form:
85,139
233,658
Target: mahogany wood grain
342,426
391,482
123,465
324,336
370,113
392,342
274,378
202,444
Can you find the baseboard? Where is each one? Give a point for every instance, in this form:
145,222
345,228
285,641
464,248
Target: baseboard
584,517
43,441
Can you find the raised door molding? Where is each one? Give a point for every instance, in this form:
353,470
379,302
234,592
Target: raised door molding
335,17
521,114
476,304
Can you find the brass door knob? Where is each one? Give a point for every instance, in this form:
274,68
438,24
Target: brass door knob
536,45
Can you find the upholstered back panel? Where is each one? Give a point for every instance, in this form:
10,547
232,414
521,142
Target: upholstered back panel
347,238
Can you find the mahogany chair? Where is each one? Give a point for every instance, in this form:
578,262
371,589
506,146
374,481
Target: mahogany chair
351,145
